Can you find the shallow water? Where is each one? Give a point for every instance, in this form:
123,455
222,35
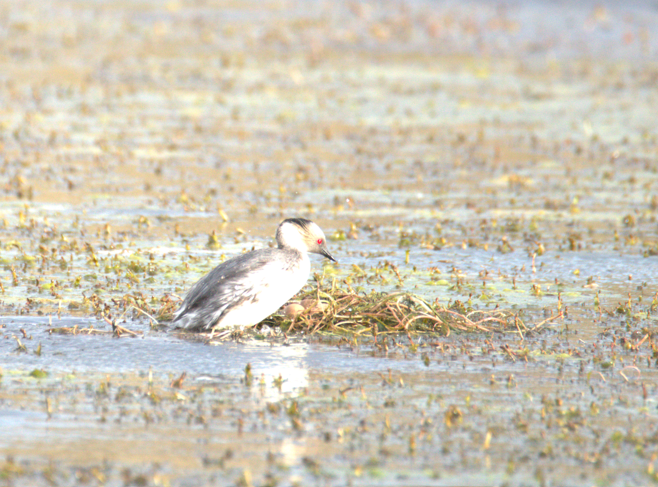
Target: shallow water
503,156
386,409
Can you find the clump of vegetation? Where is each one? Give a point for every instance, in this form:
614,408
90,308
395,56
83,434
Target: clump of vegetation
338,310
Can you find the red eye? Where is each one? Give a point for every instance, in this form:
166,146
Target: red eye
319,241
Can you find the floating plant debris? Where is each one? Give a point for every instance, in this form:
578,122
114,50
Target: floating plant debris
337,310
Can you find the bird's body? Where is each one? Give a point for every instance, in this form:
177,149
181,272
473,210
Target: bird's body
246,289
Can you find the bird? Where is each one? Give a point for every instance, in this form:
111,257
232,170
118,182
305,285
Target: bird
246,289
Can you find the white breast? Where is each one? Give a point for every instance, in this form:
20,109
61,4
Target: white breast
272,288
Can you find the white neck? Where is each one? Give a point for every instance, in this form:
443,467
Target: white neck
289,236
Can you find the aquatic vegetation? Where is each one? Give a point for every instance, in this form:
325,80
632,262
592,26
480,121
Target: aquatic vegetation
377,313
490,190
